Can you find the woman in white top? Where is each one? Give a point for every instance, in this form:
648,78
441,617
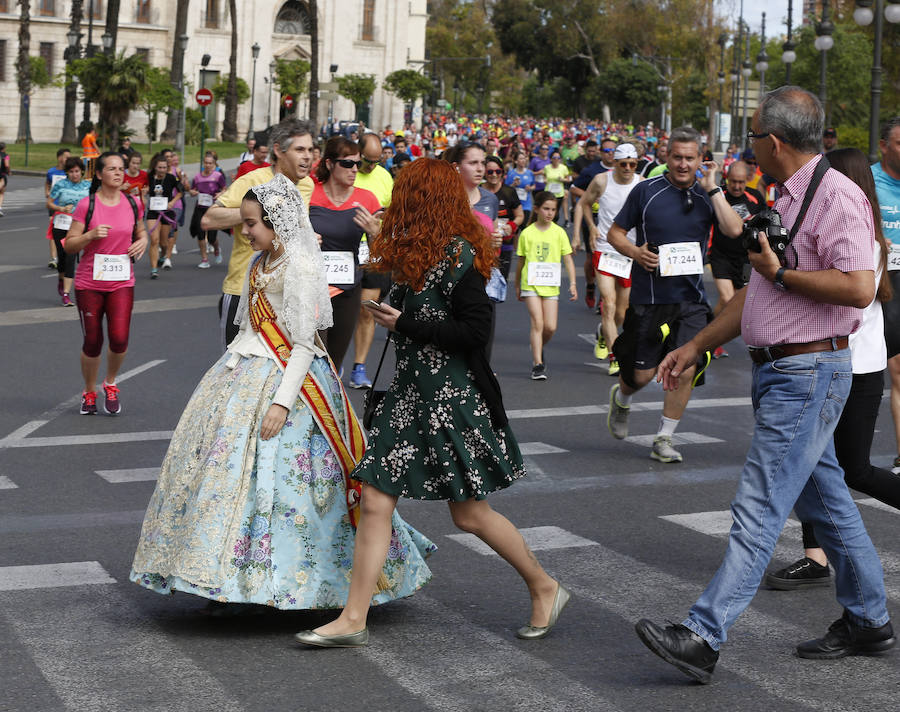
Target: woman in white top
254,503
854,432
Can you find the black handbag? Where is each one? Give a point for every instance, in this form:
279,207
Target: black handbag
373,397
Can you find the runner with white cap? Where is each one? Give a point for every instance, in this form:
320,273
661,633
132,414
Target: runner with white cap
609,191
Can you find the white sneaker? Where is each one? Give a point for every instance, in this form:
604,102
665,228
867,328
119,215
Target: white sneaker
210,249
204,264
218,259
167,263
617,417
174,249
663,450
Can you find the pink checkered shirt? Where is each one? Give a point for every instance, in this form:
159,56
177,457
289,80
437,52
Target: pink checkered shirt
838,233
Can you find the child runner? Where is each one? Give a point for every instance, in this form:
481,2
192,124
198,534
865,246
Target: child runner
543,247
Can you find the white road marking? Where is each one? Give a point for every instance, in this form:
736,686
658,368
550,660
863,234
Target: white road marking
635,407
141,474
6,483
686,438
538,448
75,573
876,504
99,439
711,523
51,315
537,538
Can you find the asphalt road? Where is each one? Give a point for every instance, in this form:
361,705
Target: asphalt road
631,538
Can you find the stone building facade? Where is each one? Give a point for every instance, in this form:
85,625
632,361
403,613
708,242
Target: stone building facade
359,36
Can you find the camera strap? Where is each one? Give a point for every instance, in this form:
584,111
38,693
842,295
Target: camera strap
817,176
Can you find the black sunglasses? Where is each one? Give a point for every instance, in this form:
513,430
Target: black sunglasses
688,204
347,163
751,136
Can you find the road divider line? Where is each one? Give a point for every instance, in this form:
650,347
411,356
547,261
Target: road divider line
28,317
75,573
538,448
567,411
6,483
537,538
97,439
141,474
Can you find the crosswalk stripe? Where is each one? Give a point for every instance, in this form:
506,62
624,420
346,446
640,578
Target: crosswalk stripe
636,406
6,483
632,589
75,573
497,669
711,523
97,439
143,306
538,448
876,504
141,474
537,538
686,438
99,651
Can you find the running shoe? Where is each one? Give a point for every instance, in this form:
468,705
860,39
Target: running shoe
218,259
539,372
59,286
720,353
590,295
167,263
613,369
204,264
617,417
358,377
159,262
66,300
210,249
663,450
89,402
52,264
174,249
601,350
154,273
111,403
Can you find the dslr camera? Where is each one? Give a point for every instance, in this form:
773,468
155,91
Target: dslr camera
768,221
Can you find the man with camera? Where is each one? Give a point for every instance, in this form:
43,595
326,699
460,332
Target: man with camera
672,215
795,315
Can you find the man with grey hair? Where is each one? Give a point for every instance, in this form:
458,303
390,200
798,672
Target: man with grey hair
291,143
795,315
672,215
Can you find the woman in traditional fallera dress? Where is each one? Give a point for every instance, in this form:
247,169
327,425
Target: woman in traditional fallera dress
254,503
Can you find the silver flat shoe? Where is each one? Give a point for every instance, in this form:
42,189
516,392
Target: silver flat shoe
350,640
530,632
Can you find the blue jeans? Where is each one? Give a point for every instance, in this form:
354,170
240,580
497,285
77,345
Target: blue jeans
797,402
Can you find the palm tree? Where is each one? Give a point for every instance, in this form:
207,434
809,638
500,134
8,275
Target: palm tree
314,62
68,133
229,123
112,22
124,80
23,69
175,76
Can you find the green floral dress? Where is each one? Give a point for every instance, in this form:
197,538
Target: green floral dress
432,436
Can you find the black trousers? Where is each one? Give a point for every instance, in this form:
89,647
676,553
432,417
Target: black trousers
345,309
853,442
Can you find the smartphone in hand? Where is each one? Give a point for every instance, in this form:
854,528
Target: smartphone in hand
372,304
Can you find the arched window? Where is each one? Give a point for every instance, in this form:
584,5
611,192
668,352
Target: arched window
292,19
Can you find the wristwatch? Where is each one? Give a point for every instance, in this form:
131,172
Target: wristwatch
715,190
778,280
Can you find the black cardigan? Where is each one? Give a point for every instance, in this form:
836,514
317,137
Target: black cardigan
468,332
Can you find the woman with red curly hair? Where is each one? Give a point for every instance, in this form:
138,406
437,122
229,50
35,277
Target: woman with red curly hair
441,431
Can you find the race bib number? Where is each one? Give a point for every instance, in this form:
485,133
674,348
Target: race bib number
159,203
338,267
55,179
544,274
555,187
614,263
363,252
522,194
893,261
678,259
112,268
62,221
204,200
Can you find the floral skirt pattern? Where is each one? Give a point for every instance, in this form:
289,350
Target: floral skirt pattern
238,519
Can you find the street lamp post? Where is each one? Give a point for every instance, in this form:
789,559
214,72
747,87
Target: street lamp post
720,78
204,63
746,71
863,15
272,67
824,42
89,52
73,51
762,60
179,133
788,56
254,50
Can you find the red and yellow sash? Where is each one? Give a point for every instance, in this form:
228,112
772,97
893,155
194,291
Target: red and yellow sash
347,444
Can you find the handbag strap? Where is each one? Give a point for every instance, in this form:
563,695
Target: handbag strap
387,341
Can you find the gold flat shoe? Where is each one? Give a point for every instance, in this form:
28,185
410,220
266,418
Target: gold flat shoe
350,640
530,632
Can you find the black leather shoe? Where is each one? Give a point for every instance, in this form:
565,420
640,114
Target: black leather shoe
844,637
801,574
681,647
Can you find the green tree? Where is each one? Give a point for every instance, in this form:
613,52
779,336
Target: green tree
116,84
629,88
158,95
358,88
23,69
292,77
220,88
407,84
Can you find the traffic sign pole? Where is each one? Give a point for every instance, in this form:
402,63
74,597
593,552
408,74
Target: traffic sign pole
204,97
